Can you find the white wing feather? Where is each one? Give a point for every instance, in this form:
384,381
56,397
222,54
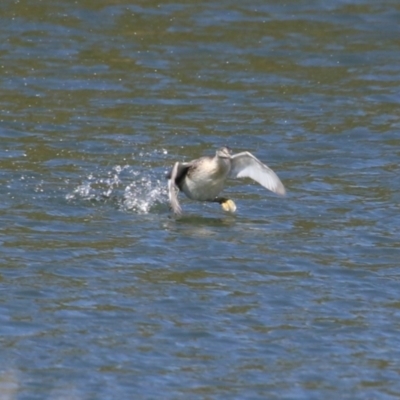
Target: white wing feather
172,191
245,165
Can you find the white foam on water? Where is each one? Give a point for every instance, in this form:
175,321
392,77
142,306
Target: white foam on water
130,189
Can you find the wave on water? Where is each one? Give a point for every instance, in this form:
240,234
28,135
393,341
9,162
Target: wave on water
130,189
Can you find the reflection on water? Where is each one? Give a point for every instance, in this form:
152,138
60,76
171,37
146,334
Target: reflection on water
105,294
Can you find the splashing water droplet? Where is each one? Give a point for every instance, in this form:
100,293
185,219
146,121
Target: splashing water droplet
129,189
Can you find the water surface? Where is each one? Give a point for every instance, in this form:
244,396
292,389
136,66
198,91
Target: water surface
105,294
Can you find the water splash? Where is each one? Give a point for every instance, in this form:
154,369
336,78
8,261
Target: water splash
130,189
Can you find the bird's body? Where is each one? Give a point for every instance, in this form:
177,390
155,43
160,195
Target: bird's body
204,179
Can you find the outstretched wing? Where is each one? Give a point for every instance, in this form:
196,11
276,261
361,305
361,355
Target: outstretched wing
245,165
173,190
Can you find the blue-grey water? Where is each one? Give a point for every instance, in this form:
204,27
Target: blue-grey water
105,295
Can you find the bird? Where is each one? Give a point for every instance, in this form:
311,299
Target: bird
203,179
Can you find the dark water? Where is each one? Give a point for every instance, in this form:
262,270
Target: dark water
104,295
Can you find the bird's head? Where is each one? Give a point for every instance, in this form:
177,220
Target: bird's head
224,152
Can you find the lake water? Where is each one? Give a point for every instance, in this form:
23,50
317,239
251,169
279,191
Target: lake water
105,295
